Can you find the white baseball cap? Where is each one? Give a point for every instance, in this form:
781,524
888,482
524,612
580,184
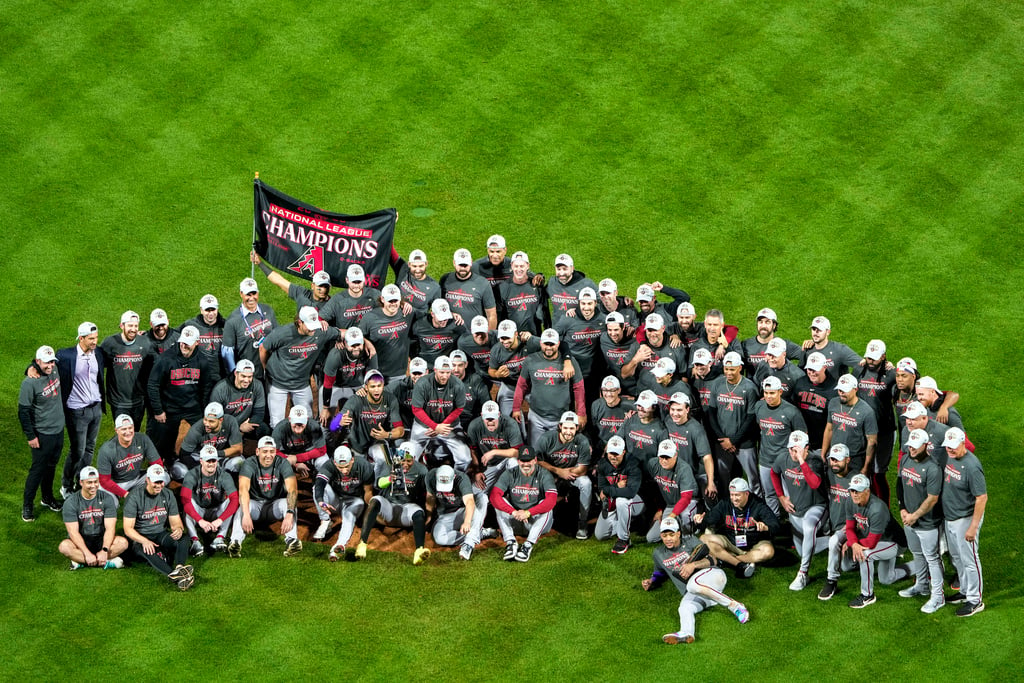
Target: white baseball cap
875,350
611,382
248,286
266,442
702,357
771,383
245,365
417,365
954,437
342,455
664,367
860,483
490,411
355,273
549,336
614,317
847,383
645,293
767,313
189,336
462,257
616,445
85,329
417,256
520,256
391,293
839,451
654,322
914,409
298,415
353,336
797,439
927,382
478,324
739,485
647,399
208,453
45,354
127,316
569,417
776,347
607,285
821,323
445,478
679,397
442,363
214,410
732,359
156,473
88,472
587,293
506,329
158,317
686,308
667,448
564,260
917,438
816,361
207,302
907,365
458,356
309,317
123,420
441,310
321,277
496,241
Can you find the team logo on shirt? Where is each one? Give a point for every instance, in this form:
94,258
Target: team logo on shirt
548,375
769,425
910,477
52,388
952,473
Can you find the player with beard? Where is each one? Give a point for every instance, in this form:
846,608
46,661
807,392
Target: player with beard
494,439
244,399
346,366
300,440
839,476
436,332
776,420
876,381
734,423
467,293
476,345
551,386
643,431
246,328
618,486
160,335
523,500
691,442
524,300
683,330
755,348
776,364
839,358
476,392
647,301
674,480
699,580
412,280
581,329
611,302
216,429
437,403
813,393
210,499
918,487
388,328
178,389
566,454
267,491
608,413
931,398
656,345
796,478
622,354
128,357
368,418
851,421
565,289
210,324
343,486
122,461
348,306
714,340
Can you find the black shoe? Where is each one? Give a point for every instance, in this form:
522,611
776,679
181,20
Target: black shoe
970,609
28,514
744,570
862,601
52,504
955,598
620,547
510,551
828,590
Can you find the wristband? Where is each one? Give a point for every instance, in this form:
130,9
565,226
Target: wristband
292,512
105,549
265,268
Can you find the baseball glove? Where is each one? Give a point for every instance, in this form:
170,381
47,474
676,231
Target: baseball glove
699,552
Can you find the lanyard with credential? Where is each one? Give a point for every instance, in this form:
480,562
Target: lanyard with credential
736,526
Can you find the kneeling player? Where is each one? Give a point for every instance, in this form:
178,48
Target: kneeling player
267,491
618,483
210,499
523,499
460,510
400,502
344,486
697,578
90,516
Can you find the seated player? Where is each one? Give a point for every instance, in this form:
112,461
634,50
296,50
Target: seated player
300,440
700,581
494,442
618,485
90,517
210,499
674,479
344,486
745,526
459,509
400,501
565,453
122,461
153,525
216,429
523,499
267,492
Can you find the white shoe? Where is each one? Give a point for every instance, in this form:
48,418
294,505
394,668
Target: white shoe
933,605
912,591
799,583
321,531
466,551
116,563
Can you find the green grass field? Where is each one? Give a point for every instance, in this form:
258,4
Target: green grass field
854,159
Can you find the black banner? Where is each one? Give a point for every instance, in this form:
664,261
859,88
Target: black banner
300,239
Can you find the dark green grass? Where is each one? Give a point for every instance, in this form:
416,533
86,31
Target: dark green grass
852,159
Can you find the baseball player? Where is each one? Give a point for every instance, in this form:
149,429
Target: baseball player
777,365
343,486
566,454
318,295
369,417
618,485
675,481
153,525
400,501
746,526
851,421
691,442
643,431
917,489
701,582
714,340
496,266
348,306
210,324
412,280
564,289
551,386
755,349
125,355
437,403
246,328
839,476
401,390
457,508
160,336
217,430
41,414
964,496
244,399
436,332
267,491
796,478
733,422
300,441
388,329
523,299
210,499
839,358
876,381
523,500
344,370
867,518
663,381
476,344
609,412
581,330
477,392
621,352
812,393
288,354
776,420
611,302
90,517
122,461
178,389
927,392
467,293
494,441
506,361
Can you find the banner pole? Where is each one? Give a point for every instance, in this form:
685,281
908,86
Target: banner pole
252,266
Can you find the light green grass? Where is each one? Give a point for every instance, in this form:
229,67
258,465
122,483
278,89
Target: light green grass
858,160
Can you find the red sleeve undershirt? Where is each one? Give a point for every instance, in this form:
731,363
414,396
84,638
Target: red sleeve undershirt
107,482
684,500
812,479
777,484
546,505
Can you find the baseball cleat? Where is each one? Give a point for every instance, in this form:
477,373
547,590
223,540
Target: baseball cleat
334,554
510,551
65,493
620,547
828,590
912,591
28,514
969,609
52,505
185,582
525,550
799,583
742,613
196,549
294,547
235,549
420,555
954,585
466,551
218,545
116,563
862,601
361,550
676,638
488,532
180,572
582,534
933,605
321,531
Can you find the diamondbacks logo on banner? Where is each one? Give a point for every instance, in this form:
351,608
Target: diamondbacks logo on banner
301,239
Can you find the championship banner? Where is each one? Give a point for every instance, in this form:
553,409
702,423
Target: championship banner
300,239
